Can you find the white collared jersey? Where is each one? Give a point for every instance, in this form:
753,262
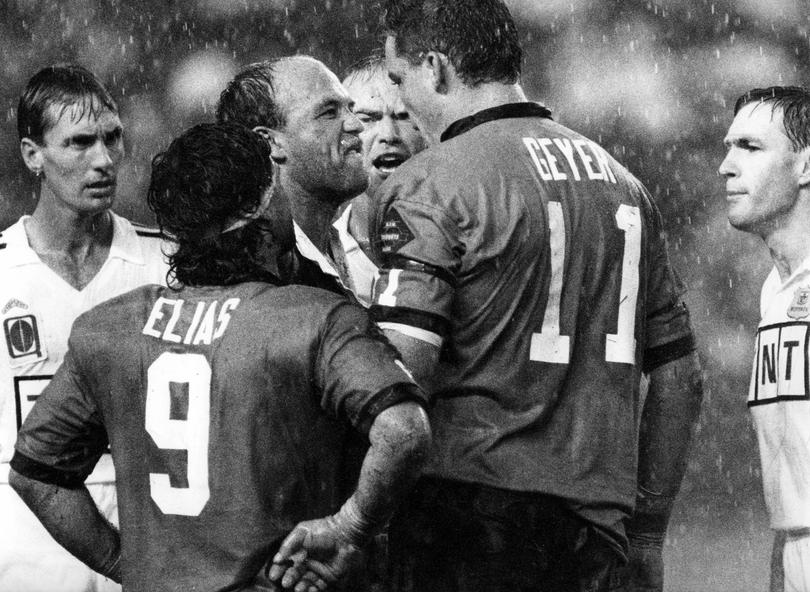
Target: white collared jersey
779,397
37,309
356,268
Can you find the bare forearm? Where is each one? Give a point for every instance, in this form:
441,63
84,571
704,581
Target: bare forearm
668,422
72,518
400,442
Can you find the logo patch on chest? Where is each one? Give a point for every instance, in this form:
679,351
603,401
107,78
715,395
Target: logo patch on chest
23,340
800,305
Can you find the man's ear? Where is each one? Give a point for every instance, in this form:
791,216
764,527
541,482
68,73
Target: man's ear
32,155
804,164
439,69
276,139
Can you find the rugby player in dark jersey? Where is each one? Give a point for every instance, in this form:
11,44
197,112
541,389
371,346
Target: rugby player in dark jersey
525,278
225,400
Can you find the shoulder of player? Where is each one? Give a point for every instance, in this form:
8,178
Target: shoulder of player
7,246
120,307
143,232
3,245
299,294
147,232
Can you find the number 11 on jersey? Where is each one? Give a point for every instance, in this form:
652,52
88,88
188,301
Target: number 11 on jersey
550,345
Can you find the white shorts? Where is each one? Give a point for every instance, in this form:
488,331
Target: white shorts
32,561
790,569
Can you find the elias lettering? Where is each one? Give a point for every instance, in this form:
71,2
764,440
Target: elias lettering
172,320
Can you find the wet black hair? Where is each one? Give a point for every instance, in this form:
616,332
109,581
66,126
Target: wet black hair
63,86
479,37
210,176
250,98
793,101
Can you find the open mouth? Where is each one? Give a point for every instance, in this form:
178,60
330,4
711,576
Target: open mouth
387,163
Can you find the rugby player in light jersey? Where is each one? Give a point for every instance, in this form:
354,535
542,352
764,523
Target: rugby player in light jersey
225,400
525,279
390,137
767,176
70,254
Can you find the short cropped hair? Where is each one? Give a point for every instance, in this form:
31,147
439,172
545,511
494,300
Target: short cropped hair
794,102
250,98
366,68
479,37
209,177
62,86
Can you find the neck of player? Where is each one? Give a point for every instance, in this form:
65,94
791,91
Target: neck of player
56,228
788,239
313,214
462,101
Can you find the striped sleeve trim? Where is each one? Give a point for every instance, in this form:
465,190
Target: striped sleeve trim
407,316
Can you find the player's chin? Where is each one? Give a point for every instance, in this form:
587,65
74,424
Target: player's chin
97,203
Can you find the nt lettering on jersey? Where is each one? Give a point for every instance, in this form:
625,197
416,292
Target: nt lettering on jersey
781,364
208,322
583,157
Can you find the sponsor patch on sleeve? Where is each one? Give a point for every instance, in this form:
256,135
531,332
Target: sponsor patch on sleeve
395,232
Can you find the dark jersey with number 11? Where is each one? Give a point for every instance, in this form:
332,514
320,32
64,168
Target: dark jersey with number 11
224,409
542,264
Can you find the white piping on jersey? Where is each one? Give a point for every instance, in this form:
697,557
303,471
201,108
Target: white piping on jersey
414,332
362,270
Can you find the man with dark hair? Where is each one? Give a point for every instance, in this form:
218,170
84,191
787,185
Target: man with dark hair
767,176
65,258
224,401
525,279
298,105
390,137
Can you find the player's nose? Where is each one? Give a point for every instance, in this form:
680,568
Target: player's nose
727,167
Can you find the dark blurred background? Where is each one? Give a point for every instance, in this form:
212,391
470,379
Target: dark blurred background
653,81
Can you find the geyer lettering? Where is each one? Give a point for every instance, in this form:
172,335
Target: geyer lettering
558,159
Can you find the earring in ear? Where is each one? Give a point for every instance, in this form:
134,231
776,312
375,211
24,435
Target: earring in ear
38,173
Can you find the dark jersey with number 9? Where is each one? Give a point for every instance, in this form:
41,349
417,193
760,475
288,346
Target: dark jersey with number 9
225,410
543,265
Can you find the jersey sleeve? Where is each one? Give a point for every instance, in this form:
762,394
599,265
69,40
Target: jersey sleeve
62,438
359,373
669,333
417,242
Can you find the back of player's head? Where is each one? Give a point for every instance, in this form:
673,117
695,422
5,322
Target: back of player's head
63,87
365,69
793,101
250,98
210,178
479,37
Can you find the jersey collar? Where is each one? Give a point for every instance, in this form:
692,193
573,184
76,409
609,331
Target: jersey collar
507,111
125,242
308,249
